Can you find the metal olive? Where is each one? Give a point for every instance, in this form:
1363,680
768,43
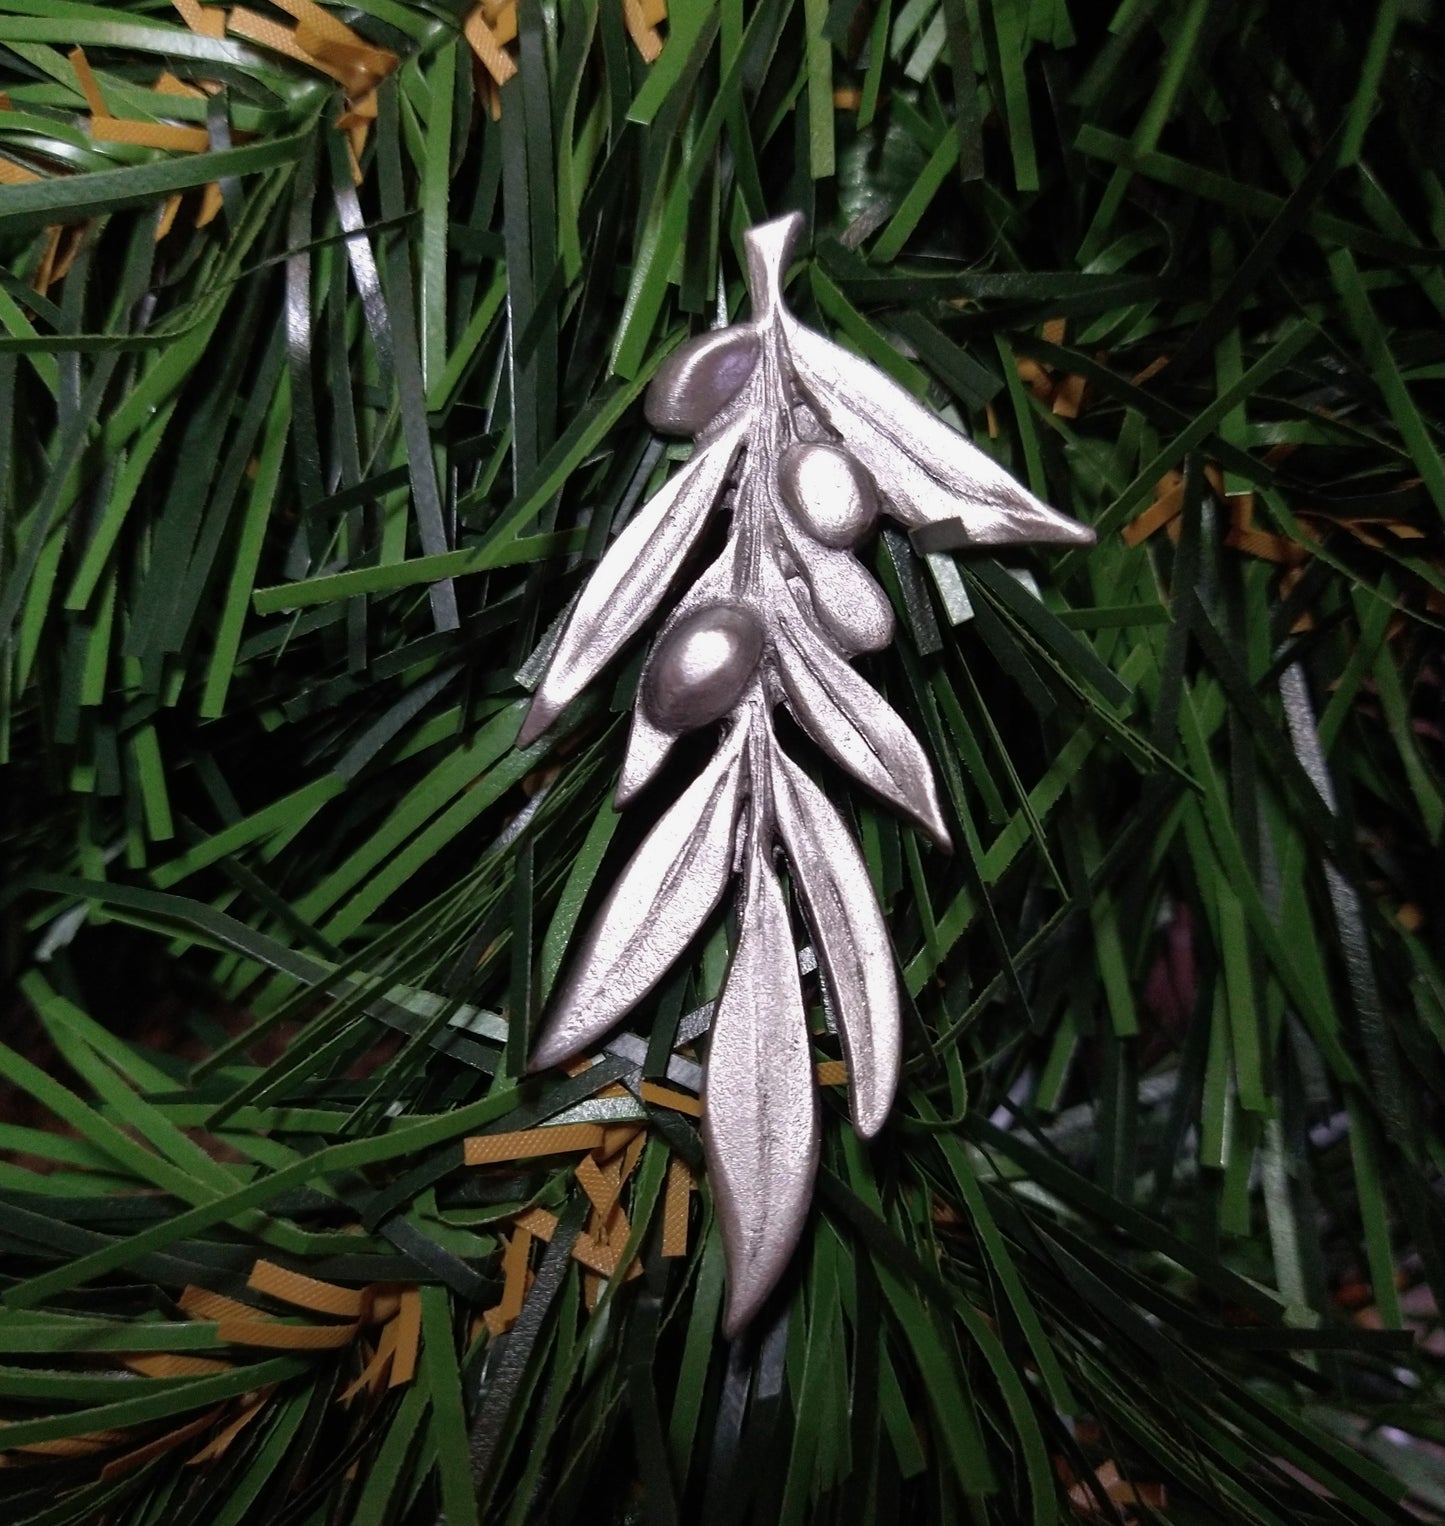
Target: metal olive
699,379
702,665
829,492
849,605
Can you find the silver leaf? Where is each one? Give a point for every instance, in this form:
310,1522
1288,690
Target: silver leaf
853,723
851,940
632,578
939,484
665,894
760,1114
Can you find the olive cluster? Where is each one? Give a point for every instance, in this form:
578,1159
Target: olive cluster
707,657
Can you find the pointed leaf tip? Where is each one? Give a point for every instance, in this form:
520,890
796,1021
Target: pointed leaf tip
540,715
1028,521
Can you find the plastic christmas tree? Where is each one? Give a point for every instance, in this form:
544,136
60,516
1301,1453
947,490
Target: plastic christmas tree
400,477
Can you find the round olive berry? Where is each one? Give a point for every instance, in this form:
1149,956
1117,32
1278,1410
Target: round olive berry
699,379
829,492
702,665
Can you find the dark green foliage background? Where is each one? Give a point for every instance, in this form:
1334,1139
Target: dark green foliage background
286,518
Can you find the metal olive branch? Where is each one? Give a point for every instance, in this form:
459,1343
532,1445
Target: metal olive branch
802,444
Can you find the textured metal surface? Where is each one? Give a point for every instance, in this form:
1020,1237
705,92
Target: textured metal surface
653,912
702,666
631,579
830,495
760,1125
850,939
700,378
803,446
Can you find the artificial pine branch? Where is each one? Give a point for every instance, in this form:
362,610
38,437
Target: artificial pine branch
323,334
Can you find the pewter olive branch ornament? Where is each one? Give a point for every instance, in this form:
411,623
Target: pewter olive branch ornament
801,444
